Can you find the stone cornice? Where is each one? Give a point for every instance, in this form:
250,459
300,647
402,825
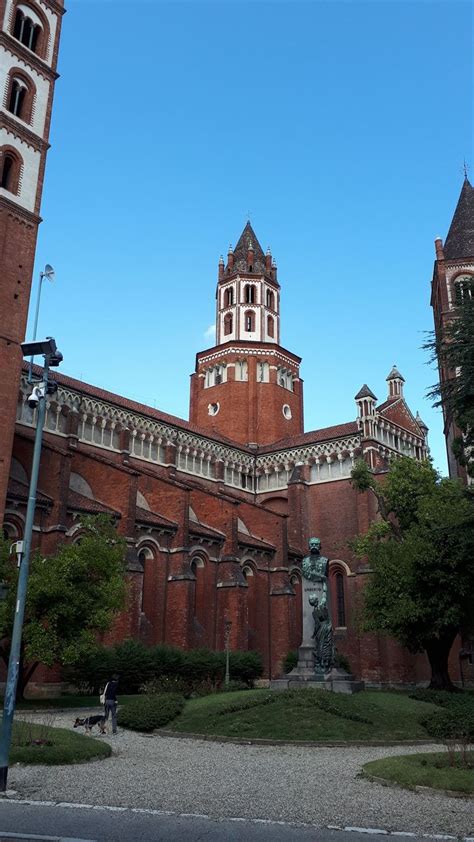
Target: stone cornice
17,210
250,350
54,6
16,48
309,452
22,131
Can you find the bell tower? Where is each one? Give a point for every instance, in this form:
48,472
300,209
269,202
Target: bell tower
247,387
452,284
29,43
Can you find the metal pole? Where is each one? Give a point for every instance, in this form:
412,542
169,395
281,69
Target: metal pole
35,325
15,650
227,628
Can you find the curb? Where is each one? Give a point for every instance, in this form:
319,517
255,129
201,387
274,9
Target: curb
184,735
429,790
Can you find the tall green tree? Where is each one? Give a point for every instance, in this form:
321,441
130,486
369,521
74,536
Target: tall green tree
421,553
453,348
72,597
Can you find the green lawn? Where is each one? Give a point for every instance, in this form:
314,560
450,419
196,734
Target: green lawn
424,770
65,746
306,715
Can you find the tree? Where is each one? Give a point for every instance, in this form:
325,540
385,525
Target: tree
421,553
454,350
72,597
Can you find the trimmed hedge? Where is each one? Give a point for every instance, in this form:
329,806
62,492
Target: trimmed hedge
188,672
149,712
450,725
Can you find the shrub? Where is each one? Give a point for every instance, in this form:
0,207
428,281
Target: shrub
290,661
167,684
450,725
444,698
134,665
245,666
342,662
149,712
197,671
455,728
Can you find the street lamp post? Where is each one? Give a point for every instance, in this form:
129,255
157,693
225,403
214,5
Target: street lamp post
49,274
37,400
227,631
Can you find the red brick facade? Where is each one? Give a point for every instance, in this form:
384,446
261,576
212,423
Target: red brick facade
216,511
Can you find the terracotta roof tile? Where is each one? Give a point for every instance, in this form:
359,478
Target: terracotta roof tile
19,491
80,503
251,541
316,436
154,519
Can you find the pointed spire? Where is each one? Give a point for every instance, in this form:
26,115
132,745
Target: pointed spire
421,423
460,239
365,392
395,374
248,242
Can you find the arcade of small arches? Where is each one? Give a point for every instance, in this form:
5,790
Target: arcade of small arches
249,295
30,27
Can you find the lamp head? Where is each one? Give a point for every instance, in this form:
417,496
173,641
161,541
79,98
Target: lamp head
48,273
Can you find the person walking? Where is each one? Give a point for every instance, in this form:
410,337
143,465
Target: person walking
110,704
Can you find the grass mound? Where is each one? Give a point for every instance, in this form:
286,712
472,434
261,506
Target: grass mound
306,715
33,744
433,770
145,713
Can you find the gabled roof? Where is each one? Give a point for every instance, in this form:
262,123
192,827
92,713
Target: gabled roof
460,239
396,410
247,238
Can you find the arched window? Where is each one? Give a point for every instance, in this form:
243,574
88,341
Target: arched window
249,321
10,165
270,299
241,370
249,294
16,98
198,568
270,326
26,28
464,289
227,324
263,372
340,601
20,95
229,297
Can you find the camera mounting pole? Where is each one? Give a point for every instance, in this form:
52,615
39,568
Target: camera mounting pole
52,357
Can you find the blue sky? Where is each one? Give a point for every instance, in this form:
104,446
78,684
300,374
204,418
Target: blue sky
341,127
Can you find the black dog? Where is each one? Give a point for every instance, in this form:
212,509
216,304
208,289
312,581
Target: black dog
89,723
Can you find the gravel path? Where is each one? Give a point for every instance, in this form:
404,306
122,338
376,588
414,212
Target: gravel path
288,783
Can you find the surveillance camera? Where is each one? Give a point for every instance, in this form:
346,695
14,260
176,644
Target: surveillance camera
35,397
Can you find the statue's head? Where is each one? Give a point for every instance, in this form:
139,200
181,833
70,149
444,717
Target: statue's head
313,599
314,545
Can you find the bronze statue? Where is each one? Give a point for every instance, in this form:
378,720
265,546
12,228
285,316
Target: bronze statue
315,568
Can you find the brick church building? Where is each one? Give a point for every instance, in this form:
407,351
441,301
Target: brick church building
216,510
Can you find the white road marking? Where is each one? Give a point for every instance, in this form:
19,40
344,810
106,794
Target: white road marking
154,812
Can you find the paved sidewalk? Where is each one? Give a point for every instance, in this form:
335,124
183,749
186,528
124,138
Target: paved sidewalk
288,783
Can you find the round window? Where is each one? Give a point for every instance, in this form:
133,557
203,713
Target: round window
213,408
286,411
